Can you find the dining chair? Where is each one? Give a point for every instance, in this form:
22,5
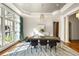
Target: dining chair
34,43
43,43
52,43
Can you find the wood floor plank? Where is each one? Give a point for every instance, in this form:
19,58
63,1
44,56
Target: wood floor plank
74,44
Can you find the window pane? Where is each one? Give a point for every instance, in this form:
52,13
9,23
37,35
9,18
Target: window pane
17,18
17,27
6,22
0,11
0,21
0,34
17,30
11,26
8,32
11,23
17,36
8,15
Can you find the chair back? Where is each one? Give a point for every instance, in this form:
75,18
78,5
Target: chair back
52,43
43,42
34,42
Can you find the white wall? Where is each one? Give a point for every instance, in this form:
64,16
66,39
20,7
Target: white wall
61,28
74,26
32,22
29,24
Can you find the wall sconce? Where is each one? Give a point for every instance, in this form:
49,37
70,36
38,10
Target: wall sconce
77,15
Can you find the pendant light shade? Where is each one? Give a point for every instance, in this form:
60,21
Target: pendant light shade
41,16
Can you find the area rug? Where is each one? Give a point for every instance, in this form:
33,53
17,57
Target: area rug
26,50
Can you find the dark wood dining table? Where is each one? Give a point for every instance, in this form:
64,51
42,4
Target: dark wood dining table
56,39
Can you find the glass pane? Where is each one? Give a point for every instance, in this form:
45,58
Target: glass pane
17,30
17,18
11,26
8,32
8,38
6,22
8,15
17,36
0,21
0,11
17,27
0,34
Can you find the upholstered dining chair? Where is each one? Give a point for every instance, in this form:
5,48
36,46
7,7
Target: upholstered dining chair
34,43
43,43
52,43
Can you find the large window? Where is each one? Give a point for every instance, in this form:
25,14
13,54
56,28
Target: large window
9,26
12,27
0,30
0,34
0,12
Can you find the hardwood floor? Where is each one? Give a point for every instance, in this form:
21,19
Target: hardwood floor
9,49
74,44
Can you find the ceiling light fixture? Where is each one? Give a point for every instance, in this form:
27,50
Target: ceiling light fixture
41,18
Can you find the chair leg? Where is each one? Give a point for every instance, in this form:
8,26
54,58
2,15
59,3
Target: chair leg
28,48
31,49
46,48
55,49
41,48
36,49
50,48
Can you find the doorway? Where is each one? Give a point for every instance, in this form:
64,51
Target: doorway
73,32
70,30
56,29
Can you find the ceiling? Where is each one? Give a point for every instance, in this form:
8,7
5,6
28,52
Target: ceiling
38,7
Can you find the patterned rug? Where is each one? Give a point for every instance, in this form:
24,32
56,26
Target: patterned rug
25,50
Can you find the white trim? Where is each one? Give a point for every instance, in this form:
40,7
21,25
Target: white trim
65,7
10,5
72,11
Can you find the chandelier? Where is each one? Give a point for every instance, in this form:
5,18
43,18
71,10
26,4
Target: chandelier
41,16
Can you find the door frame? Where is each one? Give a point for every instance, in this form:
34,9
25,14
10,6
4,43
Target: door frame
56,30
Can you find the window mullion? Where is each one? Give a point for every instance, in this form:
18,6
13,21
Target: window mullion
3,25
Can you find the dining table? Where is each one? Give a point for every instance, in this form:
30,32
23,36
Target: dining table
52,38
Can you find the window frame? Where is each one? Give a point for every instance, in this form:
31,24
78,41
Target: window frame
13,20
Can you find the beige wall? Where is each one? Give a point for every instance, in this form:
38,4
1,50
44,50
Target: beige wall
74,27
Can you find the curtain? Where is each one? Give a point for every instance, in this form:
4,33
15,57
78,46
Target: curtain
21,29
